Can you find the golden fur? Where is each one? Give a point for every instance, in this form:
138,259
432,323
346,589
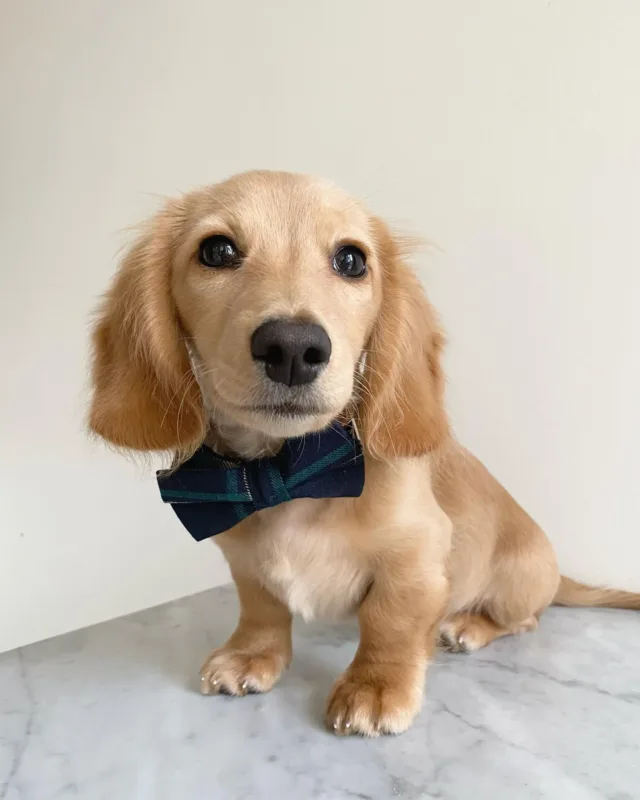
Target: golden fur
434,544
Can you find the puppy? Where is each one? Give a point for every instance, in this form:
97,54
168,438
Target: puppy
434,544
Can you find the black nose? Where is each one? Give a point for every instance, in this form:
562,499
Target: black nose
293,352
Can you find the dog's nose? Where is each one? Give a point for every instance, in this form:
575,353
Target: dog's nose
293,352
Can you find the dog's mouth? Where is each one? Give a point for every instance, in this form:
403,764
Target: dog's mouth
285,419
289,409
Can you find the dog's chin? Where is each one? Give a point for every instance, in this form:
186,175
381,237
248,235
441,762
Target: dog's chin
285,419
277,415
285,422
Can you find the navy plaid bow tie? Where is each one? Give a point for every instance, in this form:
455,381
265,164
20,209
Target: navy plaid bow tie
211,494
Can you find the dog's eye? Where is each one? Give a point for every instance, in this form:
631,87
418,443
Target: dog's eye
350,262
218,251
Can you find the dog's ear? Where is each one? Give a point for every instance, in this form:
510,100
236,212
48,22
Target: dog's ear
145,395
401,412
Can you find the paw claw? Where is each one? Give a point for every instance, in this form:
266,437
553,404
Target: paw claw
446,639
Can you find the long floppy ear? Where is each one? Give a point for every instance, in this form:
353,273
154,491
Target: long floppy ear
145,395
401,413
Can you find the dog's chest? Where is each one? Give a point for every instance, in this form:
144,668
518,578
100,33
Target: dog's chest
302,552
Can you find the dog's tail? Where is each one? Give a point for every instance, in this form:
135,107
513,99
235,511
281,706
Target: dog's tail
573,593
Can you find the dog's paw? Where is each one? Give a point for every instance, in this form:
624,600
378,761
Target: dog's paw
237,672
464,633
374,700
459,638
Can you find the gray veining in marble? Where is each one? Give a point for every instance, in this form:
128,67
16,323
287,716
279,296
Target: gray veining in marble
113,713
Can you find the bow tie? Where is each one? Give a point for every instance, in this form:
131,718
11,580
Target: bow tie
211,494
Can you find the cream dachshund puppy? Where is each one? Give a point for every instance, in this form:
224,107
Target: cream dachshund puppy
433,545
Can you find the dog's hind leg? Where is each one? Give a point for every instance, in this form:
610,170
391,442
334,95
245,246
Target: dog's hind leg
524,581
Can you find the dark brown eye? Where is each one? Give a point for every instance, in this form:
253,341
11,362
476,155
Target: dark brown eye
350,262
218,251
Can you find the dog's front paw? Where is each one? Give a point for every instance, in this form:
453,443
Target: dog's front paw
238,672
369,700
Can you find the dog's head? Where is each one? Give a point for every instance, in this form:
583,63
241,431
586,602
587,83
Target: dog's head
275,303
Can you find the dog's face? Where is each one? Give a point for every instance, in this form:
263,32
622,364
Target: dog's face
274,302
277,285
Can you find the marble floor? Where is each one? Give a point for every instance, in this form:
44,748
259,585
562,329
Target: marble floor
112,712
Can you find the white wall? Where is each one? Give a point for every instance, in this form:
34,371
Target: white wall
505,132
